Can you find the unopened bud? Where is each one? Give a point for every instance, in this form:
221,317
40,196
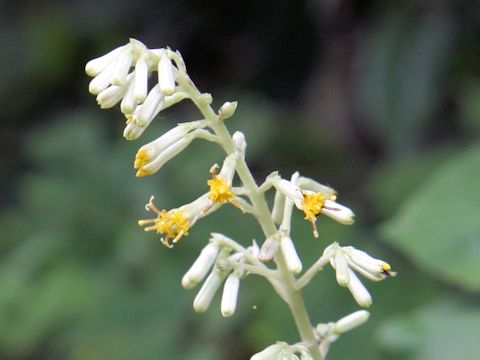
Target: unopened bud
227,110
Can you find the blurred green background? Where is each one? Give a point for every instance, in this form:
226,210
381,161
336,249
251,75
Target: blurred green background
379,99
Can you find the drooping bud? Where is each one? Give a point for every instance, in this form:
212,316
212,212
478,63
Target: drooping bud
207,292
290,254
201,266
230,295
351,321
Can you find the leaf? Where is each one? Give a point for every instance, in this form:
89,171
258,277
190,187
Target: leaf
443,331
438,225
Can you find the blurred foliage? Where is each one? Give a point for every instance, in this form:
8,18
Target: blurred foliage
80,280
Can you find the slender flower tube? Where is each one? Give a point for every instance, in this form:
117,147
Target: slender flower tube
141,80
96,66
201,266
230,294
290,254
351,321
209,288
166,80
145,113
341,268
358,291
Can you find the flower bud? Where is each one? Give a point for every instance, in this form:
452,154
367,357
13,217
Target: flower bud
227,110
351,321
207,292
240,142
269,249
341,268
166,79
96,66
358,291
141,80
289,253
122,66
230,295
201,266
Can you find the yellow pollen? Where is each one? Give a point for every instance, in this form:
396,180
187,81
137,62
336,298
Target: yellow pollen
128,117
312,205
142,172
386,267
220,191
141,158
172,224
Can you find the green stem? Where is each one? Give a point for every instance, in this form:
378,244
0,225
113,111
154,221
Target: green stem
294,295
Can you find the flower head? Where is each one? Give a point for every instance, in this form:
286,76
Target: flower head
175,223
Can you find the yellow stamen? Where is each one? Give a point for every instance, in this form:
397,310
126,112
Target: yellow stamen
141,158
172,224
386,267
220,191
312,205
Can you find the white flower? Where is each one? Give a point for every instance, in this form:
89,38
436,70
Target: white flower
175,223
341,268
358,291
289,253
201,266
209,288
230,294
314,203
351,321
152,156
166,80
373,269
269,248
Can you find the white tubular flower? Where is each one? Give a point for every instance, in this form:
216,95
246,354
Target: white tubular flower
230,295
158,150
100,82
141,80
209,288
358,291
122,66
96,66
110,97
175,223
373,269
129,103
166,80
201,266
269,249
341,268
351,321
145,113
271,352
289,253
166,155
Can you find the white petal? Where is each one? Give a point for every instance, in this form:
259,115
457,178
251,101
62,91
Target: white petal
100,82
150,108
341,268
338,212
110,97
129,104
166,79
290,190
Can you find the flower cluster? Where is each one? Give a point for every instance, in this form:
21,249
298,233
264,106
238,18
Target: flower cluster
122,76
347,260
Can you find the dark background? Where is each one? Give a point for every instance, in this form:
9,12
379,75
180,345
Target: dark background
381,100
